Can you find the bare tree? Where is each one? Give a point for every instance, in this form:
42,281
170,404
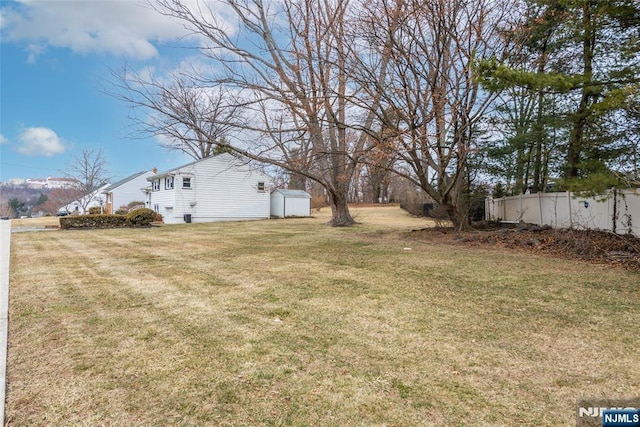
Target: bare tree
57,198
182,113
436,100
379,161
288,61
89,170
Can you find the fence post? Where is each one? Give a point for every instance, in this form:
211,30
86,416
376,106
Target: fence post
570,215
521,213
487,214
615,209
504,208
540,208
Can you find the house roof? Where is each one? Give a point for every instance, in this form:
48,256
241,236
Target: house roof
174,170
300,194
171,171
124,181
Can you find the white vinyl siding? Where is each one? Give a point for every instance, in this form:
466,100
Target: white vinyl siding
130,191
285,203
168,183
161,200
222,189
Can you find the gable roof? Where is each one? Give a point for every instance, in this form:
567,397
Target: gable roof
124,181
300,194
231,157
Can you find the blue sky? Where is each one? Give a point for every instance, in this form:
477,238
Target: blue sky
55,58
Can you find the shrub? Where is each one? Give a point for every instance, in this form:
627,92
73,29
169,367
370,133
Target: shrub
138,218
318,202
93,221
141,217
95,210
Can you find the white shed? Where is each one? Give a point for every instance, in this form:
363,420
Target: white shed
288,203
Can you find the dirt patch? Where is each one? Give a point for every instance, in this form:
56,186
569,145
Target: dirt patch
590,245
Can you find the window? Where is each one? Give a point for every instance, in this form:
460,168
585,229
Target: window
156,185
260,185
186,182
168,183
156,207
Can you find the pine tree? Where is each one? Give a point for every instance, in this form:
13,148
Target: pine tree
588,60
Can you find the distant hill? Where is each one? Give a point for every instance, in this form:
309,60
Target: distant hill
29,196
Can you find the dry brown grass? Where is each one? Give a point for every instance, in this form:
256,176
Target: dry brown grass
290,322
45,221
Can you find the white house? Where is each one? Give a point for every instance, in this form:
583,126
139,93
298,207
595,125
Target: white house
51,182
60,182
288,203
82,206
125,191
216,188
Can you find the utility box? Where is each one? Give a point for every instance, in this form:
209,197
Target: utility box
427,208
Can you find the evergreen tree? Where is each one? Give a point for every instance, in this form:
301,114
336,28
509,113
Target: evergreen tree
588,61
17,206
42,199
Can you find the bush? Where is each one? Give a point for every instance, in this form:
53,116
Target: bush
318,202
141,217
93,221
95,210
137,218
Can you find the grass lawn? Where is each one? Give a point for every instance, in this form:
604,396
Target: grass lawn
291,322
45,221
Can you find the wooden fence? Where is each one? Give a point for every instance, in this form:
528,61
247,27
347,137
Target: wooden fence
617,210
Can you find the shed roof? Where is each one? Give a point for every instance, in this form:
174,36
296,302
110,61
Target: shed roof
300,194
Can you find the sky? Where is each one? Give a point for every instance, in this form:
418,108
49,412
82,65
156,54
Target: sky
55,62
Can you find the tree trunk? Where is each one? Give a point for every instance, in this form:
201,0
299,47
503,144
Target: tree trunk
377,191
581,116
456,207
297,182
340,215
459,217
539,137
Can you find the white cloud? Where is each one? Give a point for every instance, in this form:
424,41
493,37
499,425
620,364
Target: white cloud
123,28
40,141
35,50
3,140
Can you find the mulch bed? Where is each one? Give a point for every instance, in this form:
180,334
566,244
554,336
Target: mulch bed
596,246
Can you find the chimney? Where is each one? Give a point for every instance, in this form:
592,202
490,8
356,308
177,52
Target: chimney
155,171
